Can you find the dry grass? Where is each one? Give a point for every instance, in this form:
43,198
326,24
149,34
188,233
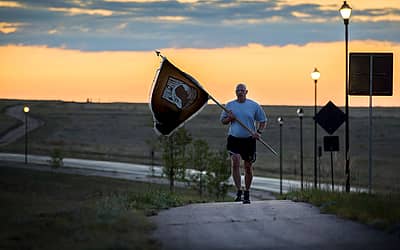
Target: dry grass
378,210
42,210
53,210
121,131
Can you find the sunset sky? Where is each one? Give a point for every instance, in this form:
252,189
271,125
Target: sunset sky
104,49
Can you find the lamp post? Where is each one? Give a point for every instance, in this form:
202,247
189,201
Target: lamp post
26,111
315,76
280,121
300,114
345,12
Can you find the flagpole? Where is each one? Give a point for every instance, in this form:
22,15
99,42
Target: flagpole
244,126
158,53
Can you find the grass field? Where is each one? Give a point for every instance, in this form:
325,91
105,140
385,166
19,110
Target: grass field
52,210
378,210
123,132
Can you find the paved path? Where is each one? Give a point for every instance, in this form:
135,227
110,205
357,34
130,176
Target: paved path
18,113
273,224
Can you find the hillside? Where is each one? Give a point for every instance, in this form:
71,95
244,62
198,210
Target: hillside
123,132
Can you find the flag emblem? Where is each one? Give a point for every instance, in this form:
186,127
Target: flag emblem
178,93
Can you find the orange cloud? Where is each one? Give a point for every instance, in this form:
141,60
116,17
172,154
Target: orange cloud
10,4
79,11
172,18
7,28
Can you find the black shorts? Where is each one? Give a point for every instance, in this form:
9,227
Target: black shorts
246,147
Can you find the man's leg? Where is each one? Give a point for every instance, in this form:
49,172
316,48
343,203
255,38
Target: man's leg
248,178
235,161
248,174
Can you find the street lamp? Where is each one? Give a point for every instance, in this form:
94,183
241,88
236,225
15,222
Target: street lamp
280,121
315,76
345,12
26,111
300,114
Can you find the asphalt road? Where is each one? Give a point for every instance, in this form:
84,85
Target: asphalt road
18,113
137,170
144,171
273,224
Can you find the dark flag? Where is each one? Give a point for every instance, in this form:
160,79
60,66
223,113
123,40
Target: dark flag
175,98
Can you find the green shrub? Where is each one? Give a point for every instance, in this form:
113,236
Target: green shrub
218,173
56,158
154,199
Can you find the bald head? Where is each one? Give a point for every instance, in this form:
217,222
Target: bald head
241,86
241,92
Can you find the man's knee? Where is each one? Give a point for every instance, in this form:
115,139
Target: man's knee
248,168
235,160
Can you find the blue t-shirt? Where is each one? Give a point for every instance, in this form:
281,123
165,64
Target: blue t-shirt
248,113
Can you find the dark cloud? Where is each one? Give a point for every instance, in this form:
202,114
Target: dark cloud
137,26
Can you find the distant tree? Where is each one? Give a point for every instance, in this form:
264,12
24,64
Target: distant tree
199,154
153,144
56,158
218,174
174,155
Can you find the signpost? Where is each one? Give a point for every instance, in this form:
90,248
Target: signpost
371,74
331,144
330,118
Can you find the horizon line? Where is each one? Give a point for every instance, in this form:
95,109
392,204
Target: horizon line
147,103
